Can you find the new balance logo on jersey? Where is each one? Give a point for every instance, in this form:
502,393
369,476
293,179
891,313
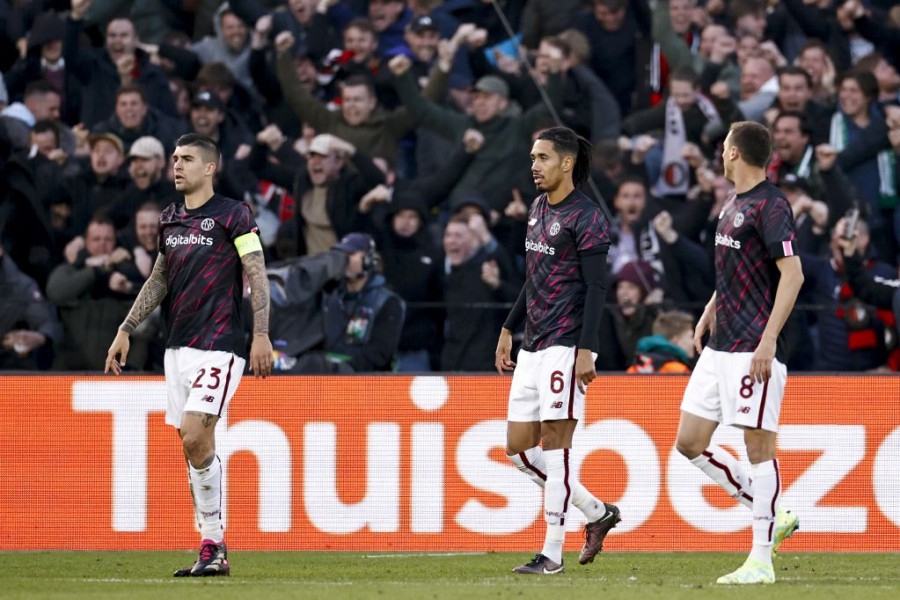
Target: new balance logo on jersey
181,240
541,247
727,240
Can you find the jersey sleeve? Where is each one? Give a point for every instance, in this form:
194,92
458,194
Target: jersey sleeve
591,232
240,221
777,228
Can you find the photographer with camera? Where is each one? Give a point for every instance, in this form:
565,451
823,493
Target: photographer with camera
362,317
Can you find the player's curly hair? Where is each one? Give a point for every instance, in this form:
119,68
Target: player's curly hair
567,142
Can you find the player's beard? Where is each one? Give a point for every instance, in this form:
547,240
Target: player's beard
185,187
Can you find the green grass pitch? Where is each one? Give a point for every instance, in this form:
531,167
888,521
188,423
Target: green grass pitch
466,576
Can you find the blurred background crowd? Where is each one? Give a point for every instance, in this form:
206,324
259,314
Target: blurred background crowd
384,144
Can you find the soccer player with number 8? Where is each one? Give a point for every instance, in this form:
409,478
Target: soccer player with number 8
740,376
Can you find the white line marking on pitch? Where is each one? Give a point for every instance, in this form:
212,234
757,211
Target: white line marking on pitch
428,554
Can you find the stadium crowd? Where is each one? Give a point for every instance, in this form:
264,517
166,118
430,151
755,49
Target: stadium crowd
402,128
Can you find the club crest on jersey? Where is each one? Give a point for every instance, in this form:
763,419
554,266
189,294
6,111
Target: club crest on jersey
554,229
207,224
738,220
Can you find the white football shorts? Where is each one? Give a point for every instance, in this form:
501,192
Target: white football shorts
543,386
200,381
721,390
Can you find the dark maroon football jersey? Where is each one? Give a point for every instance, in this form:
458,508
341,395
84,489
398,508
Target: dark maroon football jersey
204,302
555,290
755,229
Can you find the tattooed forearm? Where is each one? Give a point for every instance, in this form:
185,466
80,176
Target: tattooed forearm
151,294
255,267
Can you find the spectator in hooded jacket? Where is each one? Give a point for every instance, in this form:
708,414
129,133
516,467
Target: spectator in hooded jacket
630,319
230,45
103,71
43,61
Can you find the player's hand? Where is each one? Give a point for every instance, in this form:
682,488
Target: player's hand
585,371
118,348
761,363
261,355
502,357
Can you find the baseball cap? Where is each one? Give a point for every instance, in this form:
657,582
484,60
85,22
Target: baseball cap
207,99
355,242
423,23
109,137
321,144
492,84
147,147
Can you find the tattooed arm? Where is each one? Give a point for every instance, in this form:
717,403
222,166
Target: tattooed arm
261,348
151,294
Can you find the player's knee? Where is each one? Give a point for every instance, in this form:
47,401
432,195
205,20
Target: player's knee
689,448
196,448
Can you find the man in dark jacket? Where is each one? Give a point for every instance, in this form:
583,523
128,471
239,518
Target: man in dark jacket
98,187
134,118
34,219
102,72
327,193
28,325
363,318
479,271
413,268
43,61
94,289
506,138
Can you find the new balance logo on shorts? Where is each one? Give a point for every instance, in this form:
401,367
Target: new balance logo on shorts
556,405
744,410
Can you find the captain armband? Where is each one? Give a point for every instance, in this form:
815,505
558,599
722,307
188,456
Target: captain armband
247,243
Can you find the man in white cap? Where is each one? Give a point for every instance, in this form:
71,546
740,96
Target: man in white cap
146,164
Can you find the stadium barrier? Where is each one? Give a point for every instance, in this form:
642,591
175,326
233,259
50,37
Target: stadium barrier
417,463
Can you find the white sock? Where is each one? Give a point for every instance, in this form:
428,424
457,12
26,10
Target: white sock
206,486
532,463
557,495
725,470
766,487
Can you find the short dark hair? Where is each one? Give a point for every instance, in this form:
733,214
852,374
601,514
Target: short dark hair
613,5
360,80
45,125
567,142
363,24
865,80
753,141
40,87
795,71
132,88
805,127
209,149
686,73
215,75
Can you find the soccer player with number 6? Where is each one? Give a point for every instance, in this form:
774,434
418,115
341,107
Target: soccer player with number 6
740,376
561,302
206,243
